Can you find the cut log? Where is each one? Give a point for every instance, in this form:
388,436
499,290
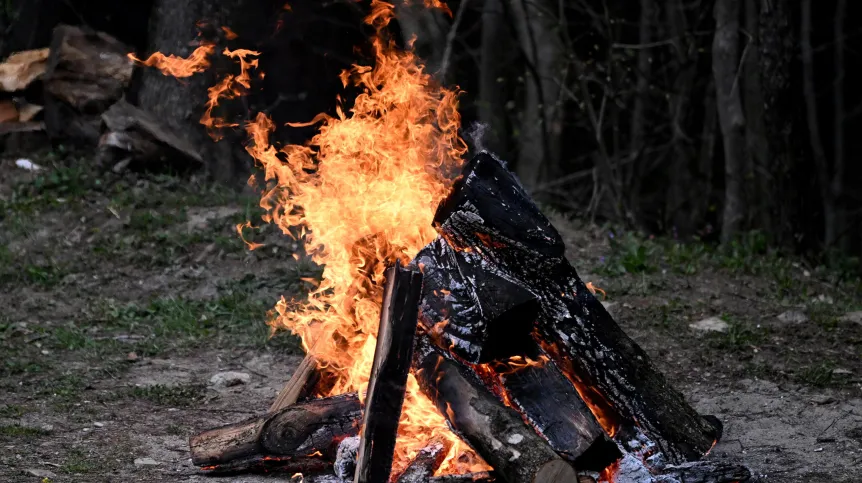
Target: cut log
386,386
480,316
136,134
552,406
300,434
490,213
495,431
424,464
86,73
300,385
22,68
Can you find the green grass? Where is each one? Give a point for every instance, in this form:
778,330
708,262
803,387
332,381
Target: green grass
12,411
77,462
819,375
18,431
738,337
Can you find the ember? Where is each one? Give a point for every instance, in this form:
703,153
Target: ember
518,372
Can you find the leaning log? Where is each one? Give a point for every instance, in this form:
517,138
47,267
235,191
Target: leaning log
489,214
303,434
495,431
299,386
552,406
388,380
426,462
86,73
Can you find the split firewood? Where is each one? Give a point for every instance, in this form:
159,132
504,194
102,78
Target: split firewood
386,386
495,431
299,386
86,73
22,69
136,134
304,434
489,216
426,462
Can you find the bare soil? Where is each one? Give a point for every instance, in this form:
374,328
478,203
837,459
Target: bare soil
123,295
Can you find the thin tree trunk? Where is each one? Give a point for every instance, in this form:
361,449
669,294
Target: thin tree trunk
541,126
777,49
725,50
495,44
644,74
837,188
821,165
756,176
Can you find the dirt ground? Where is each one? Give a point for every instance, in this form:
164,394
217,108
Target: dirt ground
123,295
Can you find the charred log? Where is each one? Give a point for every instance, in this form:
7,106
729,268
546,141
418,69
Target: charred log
495,431
424,464
297,435
489,213
392,359
708,472
553,407
482,477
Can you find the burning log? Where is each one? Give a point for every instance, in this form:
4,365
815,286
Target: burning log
300,385
482,477
489,216
392,358
424,464
86,73
495,431
304,435
550,403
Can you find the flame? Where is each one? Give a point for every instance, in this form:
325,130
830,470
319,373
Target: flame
171,65
608,475
363,192
593,289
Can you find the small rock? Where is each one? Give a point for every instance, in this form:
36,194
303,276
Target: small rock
228,379
841,372
24,163
146,462
855,317
99,425
793,317
40,473
712,324
822,399
132,357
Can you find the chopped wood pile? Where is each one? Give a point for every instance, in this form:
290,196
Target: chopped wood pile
512,347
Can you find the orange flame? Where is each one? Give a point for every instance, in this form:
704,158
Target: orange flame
179,67
230,87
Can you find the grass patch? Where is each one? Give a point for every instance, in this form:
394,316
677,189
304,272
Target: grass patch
174,396
11,411
820,375
18,431
77,462
738,337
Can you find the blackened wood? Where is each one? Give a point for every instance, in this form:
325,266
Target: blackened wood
551,404
426,462
481,477
86,73
299,386
392,359
497,432
489,212
480,316
310,429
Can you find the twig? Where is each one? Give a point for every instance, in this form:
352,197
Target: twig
450,39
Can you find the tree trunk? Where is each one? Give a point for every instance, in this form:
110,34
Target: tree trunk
180,104
757,178
821,164
495,46
725,57
777,50
837,187
541,125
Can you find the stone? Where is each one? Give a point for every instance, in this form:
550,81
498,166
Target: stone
230,378
793,317
40,473
842,372
146,462
855,317
712,324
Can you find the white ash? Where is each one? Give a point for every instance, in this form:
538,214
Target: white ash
345,458
632,470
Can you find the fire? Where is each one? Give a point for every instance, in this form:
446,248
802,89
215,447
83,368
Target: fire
608,474
363,191
179,67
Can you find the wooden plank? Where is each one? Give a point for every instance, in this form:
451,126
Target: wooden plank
392,358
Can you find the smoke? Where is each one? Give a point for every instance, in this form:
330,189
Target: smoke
476,136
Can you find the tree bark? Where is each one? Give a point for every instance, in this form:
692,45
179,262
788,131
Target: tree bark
756,175
180,104
539,140
725,52
842,240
